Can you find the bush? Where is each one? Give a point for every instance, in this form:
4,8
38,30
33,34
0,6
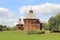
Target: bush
56,31
0,29
35,32
31,32
40,32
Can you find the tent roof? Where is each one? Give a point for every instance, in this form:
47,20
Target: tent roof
31,15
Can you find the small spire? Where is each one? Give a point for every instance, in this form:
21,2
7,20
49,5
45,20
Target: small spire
19,22
31,11
19,19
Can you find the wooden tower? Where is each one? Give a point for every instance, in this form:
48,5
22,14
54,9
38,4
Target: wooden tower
31,23
19,25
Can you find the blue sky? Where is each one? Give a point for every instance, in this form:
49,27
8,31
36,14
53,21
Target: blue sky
16,8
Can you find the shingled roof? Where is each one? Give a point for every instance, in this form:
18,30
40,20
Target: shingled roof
19,22
31,15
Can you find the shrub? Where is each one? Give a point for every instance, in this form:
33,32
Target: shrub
31,32
40,31
35,32
0,29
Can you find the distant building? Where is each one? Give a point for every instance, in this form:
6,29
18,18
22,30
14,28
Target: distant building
19,25
31,22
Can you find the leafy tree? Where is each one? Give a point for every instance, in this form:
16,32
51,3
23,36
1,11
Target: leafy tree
46,26
59,27
14,28
54,23
3,27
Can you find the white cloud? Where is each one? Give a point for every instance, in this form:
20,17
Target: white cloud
1,19
15,23
47,8
5,12
21,17
8,22
43,20
42,9
6,16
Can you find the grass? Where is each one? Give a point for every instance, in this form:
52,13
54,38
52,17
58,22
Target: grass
22,35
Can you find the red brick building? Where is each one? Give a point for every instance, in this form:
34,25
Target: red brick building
31,22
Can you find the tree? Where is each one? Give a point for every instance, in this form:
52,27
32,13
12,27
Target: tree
59,27
46,26
54,23
1,27
14,28
57,17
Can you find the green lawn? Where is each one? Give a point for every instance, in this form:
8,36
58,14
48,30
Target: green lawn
22,35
